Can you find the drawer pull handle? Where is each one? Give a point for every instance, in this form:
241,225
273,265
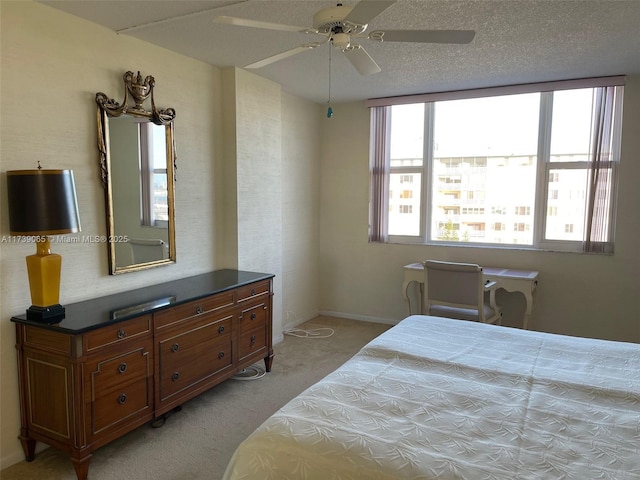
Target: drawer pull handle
122,399
221,355
221,329
198,310
175,347
253,316
122,367
253,340
121,333
253,291
175,376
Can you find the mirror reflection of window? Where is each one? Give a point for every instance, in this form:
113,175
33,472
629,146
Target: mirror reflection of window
154,207
139,174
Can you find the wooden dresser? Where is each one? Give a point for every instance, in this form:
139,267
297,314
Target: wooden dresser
117,362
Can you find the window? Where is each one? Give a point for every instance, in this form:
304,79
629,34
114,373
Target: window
406,179
406,194
472,211
538,157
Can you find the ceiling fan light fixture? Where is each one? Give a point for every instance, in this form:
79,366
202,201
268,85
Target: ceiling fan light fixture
341,40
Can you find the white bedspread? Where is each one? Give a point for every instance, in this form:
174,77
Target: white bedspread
447,399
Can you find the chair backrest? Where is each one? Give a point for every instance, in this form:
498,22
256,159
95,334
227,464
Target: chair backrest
453,284
147,250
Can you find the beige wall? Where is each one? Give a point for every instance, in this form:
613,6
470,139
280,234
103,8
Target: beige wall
52,66
578,294
272,148
258,141
301,147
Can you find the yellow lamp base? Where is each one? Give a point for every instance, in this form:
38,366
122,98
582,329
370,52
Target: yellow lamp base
44,283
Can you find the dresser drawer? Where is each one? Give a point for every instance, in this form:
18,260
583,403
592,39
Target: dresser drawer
122,404
188,358
255,316
173,315
252,341
124,368
253,290
46,340
117,333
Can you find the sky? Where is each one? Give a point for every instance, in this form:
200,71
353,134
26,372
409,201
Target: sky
494,126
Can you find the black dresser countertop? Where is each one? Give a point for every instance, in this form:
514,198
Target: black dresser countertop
99,312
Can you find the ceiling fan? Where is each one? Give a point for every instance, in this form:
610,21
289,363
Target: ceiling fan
344,26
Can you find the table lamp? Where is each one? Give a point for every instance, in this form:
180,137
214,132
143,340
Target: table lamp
43,203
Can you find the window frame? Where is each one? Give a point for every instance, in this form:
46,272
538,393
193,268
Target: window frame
544,165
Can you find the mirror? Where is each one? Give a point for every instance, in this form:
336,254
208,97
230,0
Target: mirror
137,166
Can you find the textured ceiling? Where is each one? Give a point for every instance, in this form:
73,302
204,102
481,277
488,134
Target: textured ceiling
517,41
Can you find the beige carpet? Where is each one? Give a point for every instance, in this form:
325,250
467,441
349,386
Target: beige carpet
198,441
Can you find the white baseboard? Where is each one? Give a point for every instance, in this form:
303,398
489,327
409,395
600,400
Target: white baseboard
292,320
362,318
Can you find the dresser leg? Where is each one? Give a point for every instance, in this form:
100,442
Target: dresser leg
82,466
29,447
268,361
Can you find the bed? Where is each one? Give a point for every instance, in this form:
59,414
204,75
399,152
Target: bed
448,399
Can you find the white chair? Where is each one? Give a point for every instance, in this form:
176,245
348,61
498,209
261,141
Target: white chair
147,250
458,290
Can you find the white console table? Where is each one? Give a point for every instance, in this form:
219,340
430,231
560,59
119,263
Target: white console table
524,281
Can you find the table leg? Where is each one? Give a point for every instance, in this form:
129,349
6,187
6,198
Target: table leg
405,294
529,310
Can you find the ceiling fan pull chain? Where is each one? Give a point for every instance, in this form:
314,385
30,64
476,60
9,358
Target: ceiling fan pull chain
329,109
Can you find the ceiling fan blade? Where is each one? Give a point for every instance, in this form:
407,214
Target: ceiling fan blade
423,36
283,55
367,10
361,60
243,22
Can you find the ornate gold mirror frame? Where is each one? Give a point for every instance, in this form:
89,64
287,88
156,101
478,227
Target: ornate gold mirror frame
137,167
